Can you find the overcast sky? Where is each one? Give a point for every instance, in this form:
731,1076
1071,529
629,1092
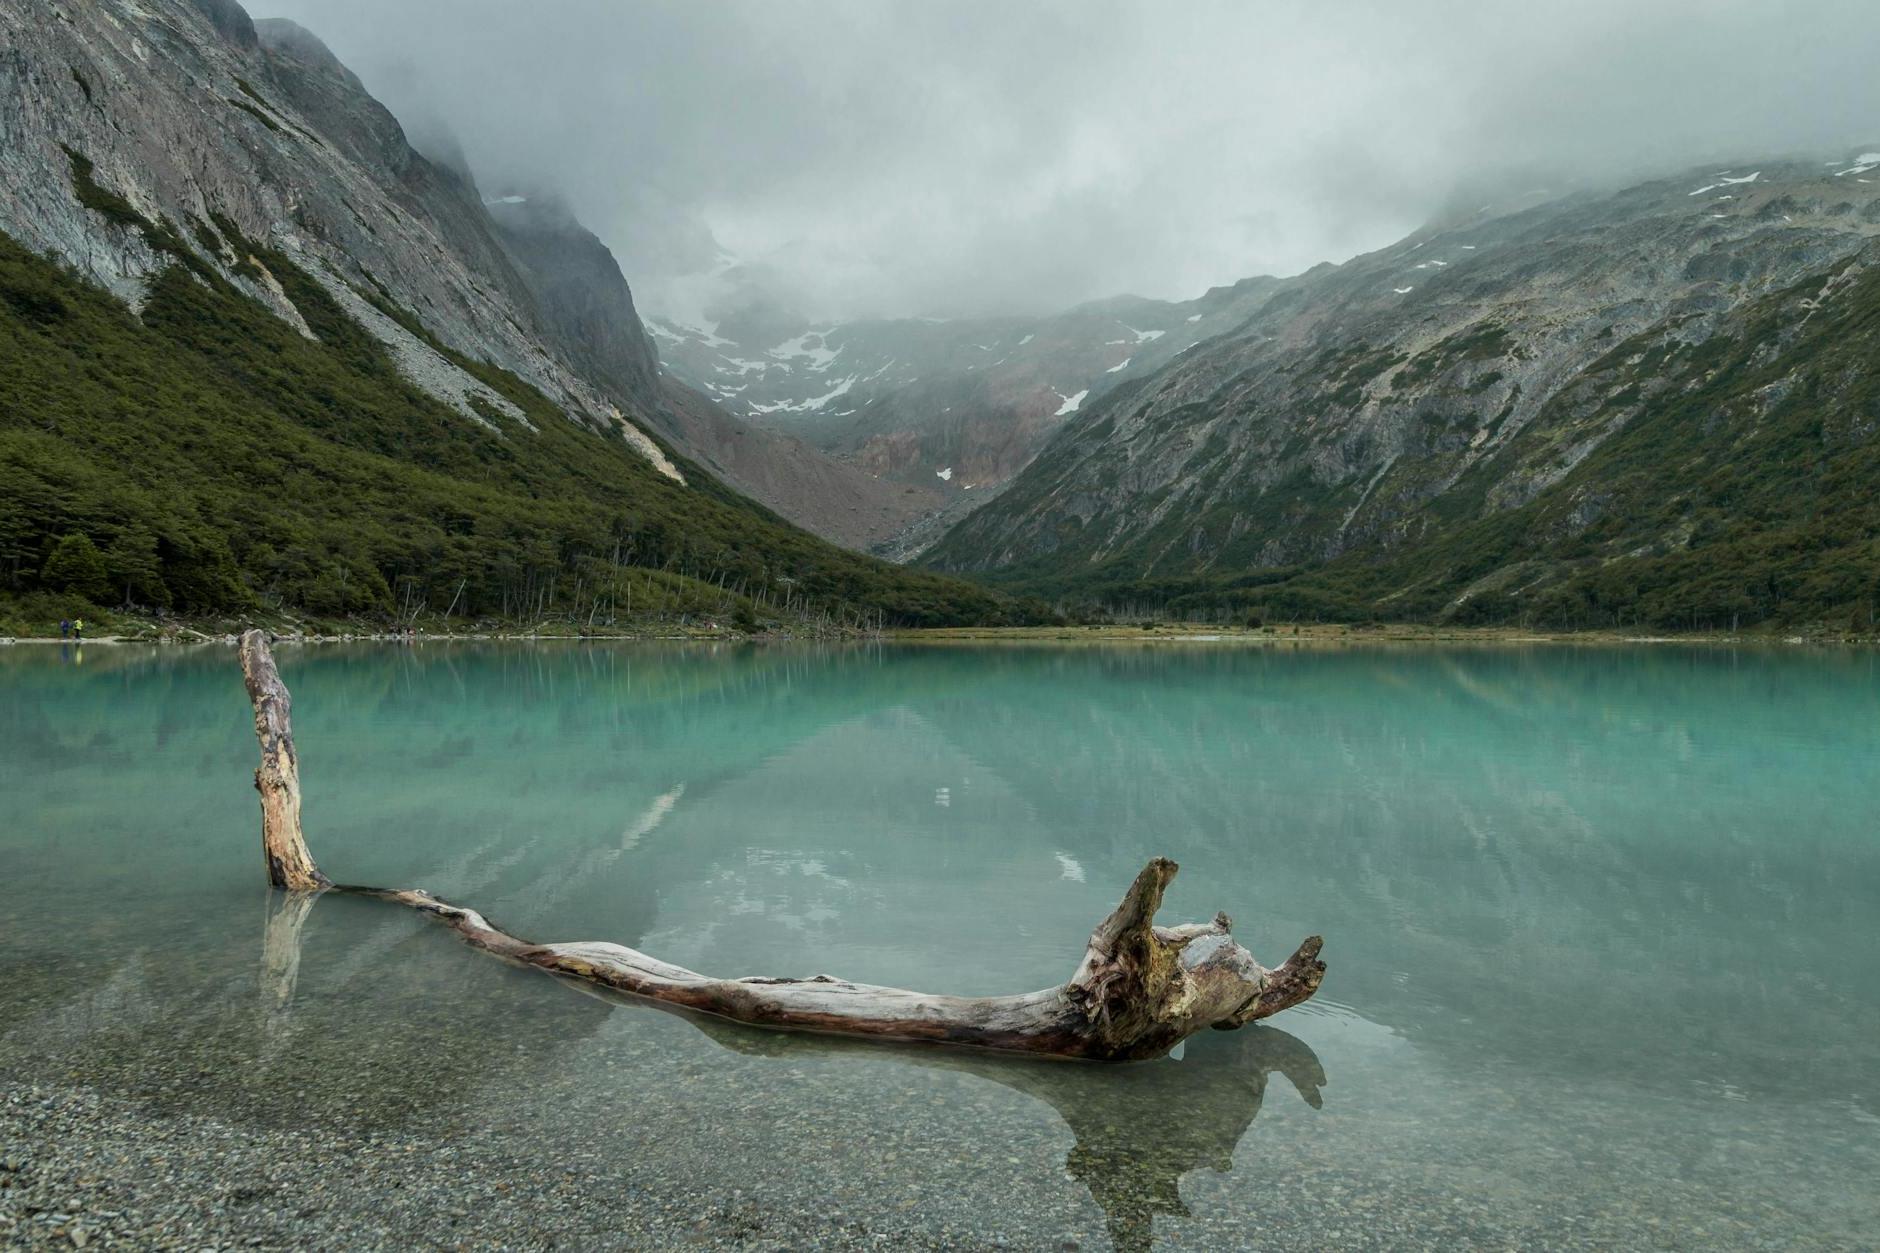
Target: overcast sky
886,157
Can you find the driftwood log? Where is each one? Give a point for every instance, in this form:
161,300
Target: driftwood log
1139,1130
1139,990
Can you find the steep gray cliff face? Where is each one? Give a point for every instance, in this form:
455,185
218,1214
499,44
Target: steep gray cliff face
1453,375
207,126
230,20
345,115
584,300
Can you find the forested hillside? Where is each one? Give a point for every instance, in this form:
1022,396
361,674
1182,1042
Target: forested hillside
205,456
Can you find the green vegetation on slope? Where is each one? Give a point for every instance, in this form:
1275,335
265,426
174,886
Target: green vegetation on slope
205,458
1737,484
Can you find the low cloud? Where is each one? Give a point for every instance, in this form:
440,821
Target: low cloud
858,157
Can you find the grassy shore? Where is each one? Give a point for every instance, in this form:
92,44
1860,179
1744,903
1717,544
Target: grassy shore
125,630
18,624
122,627
1327,634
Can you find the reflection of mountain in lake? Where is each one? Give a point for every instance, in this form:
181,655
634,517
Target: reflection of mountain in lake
1494,835
1512,853
1473,830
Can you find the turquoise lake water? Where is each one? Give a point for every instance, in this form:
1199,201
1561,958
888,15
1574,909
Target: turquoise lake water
1602,925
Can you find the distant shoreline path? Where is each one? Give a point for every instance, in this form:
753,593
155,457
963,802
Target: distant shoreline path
1318,635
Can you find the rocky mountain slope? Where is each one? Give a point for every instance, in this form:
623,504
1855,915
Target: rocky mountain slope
1605,408
586,303
190,113
948,410
210,232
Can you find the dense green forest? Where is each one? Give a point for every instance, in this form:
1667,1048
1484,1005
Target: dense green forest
202,457
1744,492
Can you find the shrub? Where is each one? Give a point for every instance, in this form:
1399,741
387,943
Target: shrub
77,566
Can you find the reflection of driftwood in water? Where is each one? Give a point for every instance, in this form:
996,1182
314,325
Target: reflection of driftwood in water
1166,1118
1139,1128
280,951
1139,990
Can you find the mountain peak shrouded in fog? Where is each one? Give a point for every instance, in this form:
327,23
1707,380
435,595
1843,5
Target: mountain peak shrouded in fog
959,158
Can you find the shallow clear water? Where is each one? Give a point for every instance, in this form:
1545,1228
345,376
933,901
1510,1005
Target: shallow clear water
1601,923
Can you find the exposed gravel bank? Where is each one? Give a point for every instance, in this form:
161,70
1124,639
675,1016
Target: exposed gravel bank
81,1170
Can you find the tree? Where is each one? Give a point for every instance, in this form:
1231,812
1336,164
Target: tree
135,567
77,566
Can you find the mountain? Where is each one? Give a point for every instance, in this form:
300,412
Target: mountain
258,351
585,303
949,410
1655,405
589,310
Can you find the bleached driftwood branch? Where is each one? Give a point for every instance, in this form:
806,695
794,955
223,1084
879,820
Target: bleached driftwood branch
1140,989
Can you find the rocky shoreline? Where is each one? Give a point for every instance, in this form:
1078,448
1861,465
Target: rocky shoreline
81,1170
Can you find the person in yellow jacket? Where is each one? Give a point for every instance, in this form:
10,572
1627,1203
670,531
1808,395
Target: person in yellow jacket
78,629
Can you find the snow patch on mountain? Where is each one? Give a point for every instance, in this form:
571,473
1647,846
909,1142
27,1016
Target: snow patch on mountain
811,405
819,354
1724,181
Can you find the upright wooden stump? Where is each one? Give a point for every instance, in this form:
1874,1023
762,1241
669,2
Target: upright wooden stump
290,866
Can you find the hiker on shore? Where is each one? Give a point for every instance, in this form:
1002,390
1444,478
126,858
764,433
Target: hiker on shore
65,628
78,629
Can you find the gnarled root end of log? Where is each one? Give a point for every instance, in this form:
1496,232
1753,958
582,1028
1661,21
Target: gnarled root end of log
1289,983
1140,989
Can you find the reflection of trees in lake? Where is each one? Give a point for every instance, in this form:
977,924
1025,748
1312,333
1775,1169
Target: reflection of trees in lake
370,1020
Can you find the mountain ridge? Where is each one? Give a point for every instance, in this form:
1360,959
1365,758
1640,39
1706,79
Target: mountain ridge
1377,408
